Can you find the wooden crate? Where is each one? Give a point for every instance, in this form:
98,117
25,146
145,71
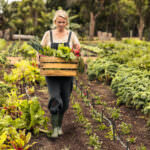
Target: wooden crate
54,66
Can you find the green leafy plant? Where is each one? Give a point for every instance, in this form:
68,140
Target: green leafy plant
26,72
88,130
65,52
11,139
132,87
26,51
94,142
3,59
114,113
93,138
98,102
102,126
110,133
96,116
132,140
33,115
22,114
77,107
102,69
141,147
125,128
86,101
5,89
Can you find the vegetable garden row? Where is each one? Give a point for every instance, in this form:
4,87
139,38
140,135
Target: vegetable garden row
104,122
125,66
20,113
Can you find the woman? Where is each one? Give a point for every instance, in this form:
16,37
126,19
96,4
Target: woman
59,88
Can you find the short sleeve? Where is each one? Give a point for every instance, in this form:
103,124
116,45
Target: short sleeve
45,38
75,39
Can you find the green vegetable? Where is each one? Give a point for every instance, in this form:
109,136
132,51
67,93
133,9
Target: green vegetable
62,52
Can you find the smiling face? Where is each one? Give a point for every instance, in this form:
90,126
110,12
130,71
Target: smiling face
60,22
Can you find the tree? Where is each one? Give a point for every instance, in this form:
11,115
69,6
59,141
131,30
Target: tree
94,9
147,24
54,4
5,13
140,8
29,12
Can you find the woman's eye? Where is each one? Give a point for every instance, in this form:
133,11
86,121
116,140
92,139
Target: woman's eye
61,22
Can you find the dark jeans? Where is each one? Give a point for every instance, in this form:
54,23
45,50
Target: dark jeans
60,89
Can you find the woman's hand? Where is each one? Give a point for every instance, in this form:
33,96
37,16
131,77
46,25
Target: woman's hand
77,46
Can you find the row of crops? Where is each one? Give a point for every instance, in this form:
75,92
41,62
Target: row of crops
15,49
125,66
87,103
21,114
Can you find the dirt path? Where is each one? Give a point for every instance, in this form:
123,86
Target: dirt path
73,138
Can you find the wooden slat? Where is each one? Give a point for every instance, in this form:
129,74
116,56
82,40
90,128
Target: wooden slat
58,65
54,59
58,72
14,60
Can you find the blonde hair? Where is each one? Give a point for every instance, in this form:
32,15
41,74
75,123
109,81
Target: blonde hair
63,14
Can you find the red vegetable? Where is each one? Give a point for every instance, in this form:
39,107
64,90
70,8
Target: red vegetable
76,52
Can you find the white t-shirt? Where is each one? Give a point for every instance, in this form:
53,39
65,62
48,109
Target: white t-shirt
47,42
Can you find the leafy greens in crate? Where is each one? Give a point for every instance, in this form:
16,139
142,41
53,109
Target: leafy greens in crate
62,52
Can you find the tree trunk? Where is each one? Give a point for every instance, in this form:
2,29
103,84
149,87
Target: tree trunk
92,25
107,23
35,18
141,27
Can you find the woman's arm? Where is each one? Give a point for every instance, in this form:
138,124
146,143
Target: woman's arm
76,43
45,39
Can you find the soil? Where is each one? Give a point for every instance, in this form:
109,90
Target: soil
74,137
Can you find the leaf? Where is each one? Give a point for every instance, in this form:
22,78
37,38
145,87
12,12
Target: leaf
28,146
28,137
3,138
